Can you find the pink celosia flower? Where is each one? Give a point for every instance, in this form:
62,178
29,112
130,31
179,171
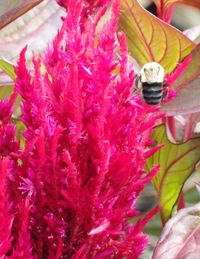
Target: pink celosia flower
5,215
70,191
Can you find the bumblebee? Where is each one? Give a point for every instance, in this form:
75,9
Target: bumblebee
152,77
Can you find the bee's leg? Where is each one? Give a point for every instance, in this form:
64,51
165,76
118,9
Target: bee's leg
165,92
135,86
136,83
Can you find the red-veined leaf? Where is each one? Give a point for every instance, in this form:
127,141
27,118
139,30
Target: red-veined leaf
165,8
11,9
183,123
164,4
176,165
150,39
181,236
36,29
186,105
180,128
188,89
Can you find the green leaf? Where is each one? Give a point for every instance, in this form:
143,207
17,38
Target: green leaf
8,68
191,196
20,127
150,39
176,165
154,226
5,91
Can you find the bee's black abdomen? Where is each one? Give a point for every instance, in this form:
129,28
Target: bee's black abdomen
152,93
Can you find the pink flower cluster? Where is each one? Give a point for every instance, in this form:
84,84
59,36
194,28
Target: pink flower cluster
69,186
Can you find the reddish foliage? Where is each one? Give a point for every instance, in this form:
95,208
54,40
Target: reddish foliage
73,186
165,13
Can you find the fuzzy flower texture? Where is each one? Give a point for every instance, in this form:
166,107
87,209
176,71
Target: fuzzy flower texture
69,184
